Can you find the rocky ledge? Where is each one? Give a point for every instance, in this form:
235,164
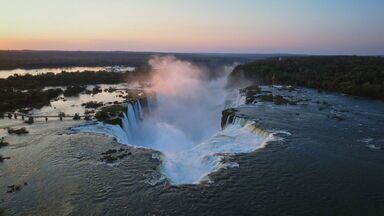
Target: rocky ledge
112,114
112,155
253,94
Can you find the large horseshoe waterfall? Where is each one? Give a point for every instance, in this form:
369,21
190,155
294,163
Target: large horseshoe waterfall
180,116
189,155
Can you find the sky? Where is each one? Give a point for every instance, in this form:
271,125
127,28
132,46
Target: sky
225,26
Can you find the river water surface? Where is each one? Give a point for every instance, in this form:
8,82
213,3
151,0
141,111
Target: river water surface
324,167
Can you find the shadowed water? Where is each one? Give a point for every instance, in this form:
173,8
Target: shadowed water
323,156
327,166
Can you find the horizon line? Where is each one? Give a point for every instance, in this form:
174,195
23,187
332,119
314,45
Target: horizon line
186,52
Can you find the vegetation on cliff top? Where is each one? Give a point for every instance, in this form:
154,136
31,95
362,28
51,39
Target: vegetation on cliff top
25,91
21,91
11,99
353,75
64,78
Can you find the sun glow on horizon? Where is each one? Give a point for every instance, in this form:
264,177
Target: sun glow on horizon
324,27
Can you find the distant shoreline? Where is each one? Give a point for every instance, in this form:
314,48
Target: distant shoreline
35,59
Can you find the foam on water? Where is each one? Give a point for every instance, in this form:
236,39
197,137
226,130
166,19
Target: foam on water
193,165
121,135
188,163
184,123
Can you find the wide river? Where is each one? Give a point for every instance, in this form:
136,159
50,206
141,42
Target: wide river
324,165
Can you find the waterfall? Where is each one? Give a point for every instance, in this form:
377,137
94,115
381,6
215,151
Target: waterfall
137,109
195,164
248,124
127,127
234,98
126,133
184,122
184,165
228,120
148,105
131,115
131,119
140,109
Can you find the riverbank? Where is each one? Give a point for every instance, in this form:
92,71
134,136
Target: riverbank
352,75
27,91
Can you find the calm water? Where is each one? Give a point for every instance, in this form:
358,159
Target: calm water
7,73
325,167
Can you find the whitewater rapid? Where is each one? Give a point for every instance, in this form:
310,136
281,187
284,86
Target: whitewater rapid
183,121
186,162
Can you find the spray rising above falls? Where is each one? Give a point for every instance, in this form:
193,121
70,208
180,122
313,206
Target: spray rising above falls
185,98
184,122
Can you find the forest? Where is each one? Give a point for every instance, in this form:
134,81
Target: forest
20,91
33,59
352,75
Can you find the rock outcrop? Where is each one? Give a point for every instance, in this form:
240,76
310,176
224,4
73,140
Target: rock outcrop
19,131
227,116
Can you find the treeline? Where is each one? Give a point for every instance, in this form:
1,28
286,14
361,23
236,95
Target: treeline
32,59
11,99
68,78
353,75
26,91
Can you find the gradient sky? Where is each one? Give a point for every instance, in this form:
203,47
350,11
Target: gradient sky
246,26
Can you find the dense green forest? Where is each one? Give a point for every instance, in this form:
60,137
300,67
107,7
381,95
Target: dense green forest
353,75
68,78
48,59
11,99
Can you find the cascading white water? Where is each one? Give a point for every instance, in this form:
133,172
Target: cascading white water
193,165
149,105
140,110
185,123
127,128
131,115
